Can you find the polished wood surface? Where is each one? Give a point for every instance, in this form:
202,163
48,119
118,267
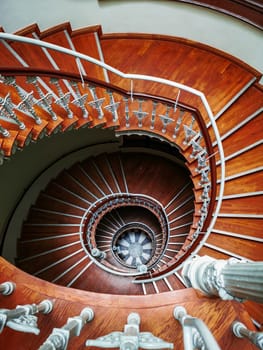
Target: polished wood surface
60,208
195,66
156,312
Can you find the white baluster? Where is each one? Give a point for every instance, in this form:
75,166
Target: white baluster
59,338
196,334
241,331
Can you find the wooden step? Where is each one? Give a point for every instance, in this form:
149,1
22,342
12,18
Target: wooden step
218,76
94,181
249,249
164,285
40,215
34,263
248,205
60,35
54,271
241,225
23,137
246,161
49,202
33,55
245,184
8,58
9,143
92,277
239,138
28,247
87,41
152,170
246,105
75,180
62,191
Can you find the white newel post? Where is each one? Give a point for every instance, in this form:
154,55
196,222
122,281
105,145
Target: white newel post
228,279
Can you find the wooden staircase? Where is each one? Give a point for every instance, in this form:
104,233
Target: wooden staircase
50,246
44,245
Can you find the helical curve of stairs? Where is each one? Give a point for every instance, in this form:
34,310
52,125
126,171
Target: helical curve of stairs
132,190
123,222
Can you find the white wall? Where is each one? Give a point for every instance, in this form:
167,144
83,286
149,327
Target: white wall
17,175
160,17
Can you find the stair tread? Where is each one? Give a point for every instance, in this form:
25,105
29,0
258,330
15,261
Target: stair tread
85,41
120,52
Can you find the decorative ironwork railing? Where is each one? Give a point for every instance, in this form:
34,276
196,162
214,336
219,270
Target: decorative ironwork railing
22,318
59,338
130,338
98,209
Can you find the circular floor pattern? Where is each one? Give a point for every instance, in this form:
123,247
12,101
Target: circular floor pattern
134,248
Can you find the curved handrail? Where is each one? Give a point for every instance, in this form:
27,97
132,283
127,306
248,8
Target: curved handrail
99,202
101,207
10,71
247,11
124,199
129,76
59,74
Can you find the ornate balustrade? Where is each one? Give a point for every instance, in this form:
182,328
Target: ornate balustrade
23,318
131,338
59,338
194,330
195,138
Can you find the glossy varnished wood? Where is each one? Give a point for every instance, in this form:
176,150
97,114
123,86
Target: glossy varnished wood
60,209
182,61
111,313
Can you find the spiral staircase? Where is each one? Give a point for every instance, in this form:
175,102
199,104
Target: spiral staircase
113,227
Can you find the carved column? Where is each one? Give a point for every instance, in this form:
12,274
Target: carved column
228,279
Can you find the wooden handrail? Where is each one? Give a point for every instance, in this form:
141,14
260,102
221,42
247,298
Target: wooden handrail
250,12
